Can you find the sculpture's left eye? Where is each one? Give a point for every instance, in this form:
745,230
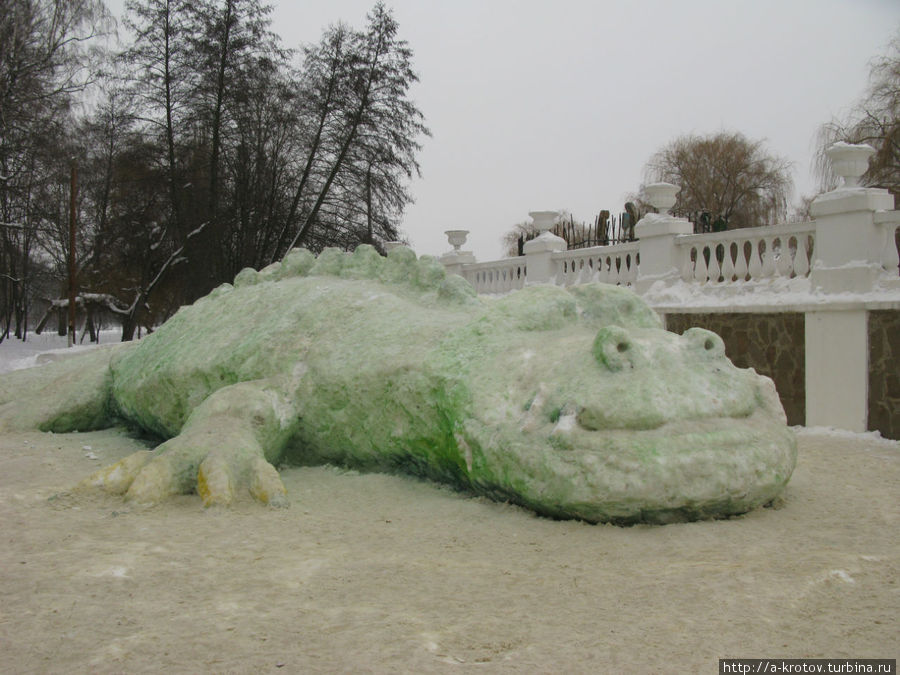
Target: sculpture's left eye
614,348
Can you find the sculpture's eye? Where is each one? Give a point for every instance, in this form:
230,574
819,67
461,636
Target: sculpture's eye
614,348
705,342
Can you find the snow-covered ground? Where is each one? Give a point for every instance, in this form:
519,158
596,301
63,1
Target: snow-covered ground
874,439
15,354
383,573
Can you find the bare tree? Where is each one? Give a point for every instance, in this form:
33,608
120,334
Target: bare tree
369,137
47,57
874,120
731,178
159,81
203,144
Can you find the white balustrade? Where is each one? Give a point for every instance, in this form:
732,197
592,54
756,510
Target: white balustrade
499,276
617,264
735,256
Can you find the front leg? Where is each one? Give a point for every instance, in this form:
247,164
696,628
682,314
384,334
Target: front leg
225,446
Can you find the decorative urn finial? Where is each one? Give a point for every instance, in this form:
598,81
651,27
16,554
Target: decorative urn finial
662,196
850,161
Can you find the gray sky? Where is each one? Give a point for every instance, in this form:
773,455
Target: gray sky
539,104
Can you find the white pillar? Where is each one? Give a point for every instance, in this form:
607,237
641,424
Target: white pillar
849,243
539,252
656,234
849,259
837,369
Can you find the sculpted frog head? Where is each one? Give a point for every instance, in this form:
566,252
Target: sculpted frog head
617,419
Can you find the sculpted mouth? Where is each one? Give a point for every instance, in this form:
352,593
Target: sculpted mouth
582,420
594,419
570,434
572,418
576,418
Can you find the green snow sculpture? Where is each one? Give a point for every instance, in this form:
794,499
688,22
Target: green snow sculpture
572,402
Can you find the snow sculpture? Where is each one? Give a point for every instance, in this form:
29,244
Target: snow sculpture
572,402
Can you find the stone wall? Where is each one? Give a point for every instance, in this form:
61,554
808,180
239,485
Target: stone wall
773,344
884,372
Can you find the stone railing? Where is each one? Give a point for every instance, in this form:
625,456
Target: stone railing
499,276
754,254
616,264
849,247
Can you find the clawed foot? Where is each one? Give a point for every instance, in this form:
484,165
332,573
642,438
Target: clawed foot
221,450
182,465
219,475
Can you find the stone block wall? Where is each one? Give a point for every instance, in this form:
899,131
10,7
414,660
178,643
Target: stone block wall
884,372
773,344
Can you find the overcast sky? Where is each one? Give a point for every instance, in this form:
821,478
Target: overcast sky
558,104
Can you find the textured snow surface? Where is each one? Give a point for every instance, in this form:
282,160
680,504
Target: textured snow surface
772,293
40,349
872,438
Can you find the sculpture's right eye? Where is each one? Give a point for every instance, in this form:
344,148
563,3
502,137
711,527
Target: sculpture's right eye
704,342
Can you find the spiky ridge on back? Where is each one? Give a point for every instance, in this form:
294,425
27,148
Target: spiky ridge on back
425,280
425,275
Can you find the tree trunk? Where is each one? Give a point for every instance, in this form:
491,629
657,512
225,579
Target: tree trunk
217,116
128,328
170,127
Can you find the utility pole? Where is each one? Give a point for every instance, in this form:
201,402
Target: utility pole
73,192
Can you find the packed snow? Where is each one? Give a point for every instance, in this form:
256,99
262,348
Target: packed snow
39,349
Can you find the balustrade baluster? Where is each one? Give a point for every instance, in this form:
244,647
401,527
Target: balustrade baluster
784,264
714,268
604,270
632,268
801,259
741,268
768,259
727,263
891,259
754,265
701,271
587,274
687,267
